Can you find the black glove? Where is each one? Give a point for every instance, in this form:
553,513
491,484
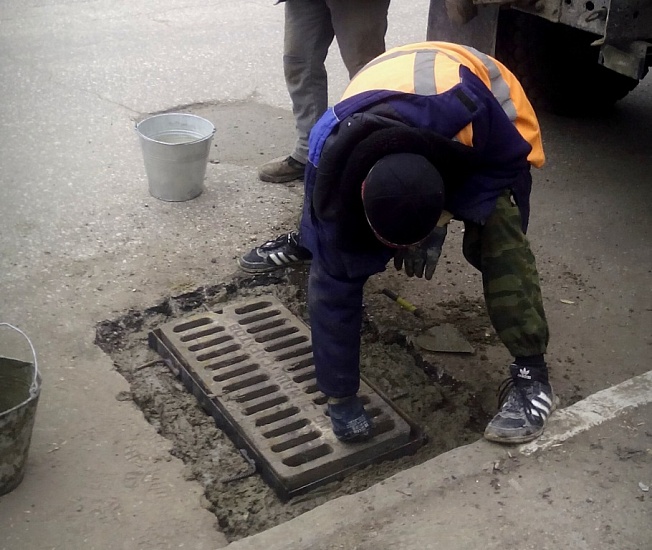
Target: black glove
423,255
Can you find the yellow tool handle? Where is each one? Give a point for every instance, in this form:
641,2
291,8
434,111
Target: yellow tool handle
402,302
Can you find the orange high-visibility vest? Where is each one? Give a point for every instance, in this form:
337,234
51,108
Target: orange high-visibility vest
431,68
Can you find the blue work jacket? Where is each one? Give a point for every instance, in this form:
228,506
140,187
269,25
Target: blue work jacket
448,90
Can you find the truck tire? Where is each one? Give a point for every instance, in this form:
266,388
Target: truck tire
557,65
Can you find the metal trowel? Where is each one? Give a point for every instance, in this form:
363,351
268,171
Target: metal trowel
444,338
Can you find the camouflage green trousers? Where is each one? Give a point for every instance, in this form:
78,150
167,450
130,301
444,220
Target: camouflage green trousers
510,281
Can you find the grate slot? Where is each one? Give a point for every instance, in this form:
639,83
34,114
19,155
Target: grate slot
297,371
264,404
219,352
320,399
201,333
307,455
276,416
373,412
296,353
295,441
227,362
259,317
304,363
289,426
383,425
273,335
240,384
254,392
266,326
251,307
237,371
290,342
311,375
211,342
199,322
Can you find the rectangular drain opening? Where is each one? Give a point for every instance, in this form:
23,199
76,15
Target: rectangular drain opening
251,367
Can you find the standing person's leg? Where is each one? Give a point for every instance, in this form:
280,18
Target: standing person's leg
360,27
308,35
515,306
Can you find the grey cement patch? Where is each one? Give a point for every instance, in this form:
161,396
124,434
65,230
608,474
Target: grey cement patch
452,412
267,131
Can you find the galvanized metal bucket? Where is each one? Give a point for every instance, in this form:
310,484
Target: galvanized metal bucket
20,387
175,150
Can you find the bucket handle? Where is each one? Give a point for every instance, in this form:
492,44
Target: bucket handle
34,387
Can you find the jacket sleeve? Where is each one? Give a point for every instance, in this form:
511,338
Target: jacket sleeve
335,307
335,290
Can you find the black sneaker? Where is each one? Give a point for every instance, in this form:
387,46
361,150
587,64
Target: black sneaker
284,251
350,421
525,407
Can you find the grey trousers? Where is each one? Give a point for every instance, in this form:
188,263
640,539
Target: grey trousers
310,26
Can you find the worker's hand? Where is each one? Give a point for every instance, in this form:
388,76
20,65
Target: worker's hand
423,256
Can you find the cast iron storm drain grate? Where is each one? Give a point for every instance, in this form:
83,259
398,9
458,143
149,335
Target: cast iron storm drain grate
251,367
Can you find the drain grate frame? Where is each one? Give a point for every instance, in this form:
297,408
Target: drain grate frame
250,366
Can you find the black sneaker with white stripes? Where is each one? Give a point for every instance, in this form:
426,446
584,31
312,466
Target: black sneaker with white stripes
525,405
284,251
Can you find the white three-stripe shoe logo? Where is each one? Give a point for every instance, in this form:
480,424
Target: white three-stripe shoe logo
281,259
541,405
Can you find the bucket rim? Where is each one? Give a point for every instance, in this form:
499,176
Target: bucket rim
35,386
32,396
161,115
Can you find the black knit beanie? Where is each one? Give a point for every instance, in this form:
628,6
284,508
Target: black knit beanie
403,197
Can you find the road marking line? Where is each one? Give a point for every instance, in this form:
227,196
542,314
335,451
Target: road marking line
592,411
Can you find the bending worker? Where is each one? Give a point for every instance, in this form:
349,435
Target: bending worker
423,134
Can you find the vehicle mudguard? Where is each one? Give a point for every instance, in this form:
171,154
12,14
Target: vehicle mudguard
479,32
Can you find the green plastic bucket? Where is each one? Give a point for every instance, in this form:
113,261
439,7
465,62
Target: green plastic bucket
20,387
